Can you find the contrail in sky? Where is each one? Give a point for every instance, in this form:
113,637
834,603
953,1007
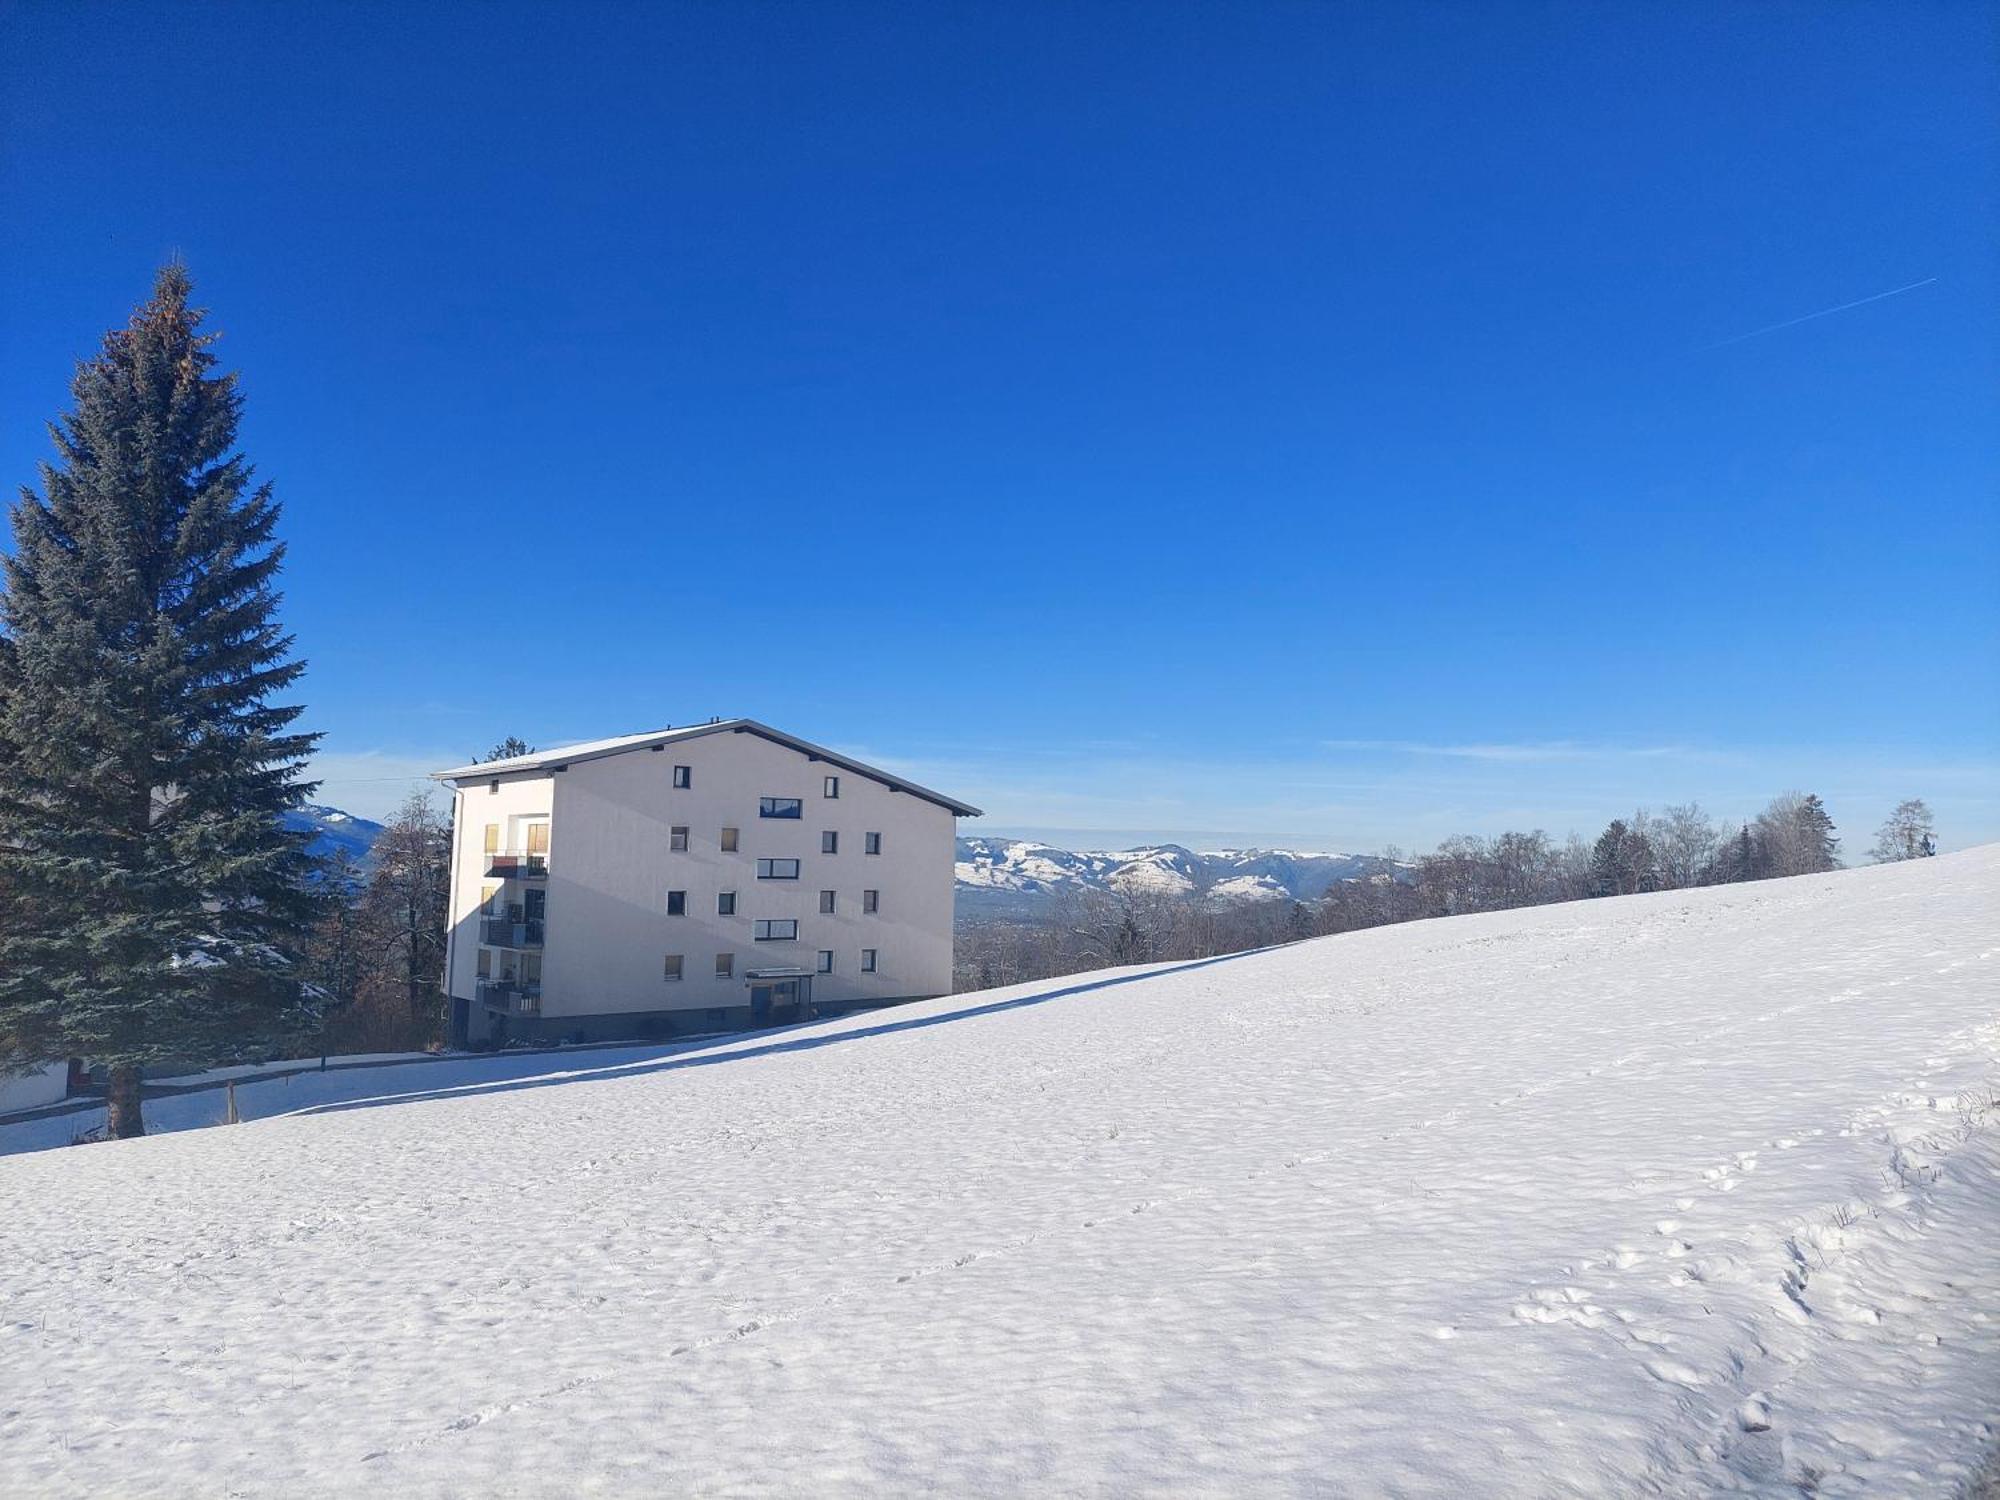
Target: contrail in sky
1824,312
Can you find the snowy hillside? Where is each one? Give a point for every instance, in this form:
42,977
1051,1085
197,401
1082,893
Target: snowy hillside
1000,877
1670,1195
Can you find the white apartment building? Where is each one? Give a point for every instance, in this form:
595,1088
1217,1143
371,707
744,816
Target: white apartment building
716,877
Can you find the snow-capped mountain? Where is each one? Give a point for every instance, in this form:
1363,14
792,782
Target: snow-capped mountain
333,829
1020,878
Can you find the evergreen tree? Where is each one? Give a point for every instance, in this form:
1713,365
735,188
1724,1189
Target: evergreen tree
1817,836
1621,863
157,901
1795,836
1739,858
510,747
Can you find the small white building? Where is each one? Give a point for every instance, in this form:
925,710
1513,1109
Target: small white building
48,1084
721,876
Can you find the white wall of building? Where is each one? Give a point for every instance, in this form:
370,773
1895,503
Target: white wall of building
612,863
517,799
43,1086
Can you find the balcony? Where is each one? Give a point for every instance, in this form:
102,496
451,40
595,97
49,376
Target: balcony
517,867
511,997
505,932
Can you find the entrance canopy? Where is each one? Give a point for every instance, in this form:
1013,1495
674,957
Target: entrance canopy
766,976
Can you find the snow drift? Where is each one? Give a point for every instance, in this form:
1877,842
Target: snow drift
1672,1194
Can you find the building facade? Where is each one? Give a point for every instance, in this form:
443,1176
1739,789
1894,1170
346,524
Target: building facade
712,878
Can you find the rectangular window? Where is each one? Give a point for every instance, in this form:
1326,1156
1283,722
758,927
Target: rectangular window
677,839
826,960
683,776
492,838
777,869
725,904
826,903
489,901
538,838
868,960
775,929
871,843
871,902
829,842
729,841
673,974
780,807
677,903
832,786
725,965
485,963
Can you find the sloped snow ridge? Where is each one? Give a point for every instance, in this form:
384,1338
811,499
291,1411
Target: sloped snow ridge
1670,1195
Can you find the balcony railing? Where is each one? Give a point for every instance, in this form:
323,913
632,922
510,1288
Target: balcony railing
517,866
511,997
501,932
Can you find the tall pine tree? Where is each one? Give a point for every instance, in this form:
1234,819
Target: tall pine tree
157,904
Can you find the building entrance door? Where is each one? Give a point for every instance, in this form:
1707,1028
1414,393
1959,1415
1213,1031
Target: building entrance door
780,1002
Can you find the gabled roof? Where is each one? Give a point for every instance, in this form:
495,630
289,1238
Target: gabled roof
569,755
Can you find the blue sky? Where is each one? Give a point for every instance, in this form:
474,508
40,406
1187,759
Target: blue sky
1321,424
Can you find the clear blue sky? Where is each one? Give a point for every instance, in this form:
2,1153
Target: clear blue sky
1318,423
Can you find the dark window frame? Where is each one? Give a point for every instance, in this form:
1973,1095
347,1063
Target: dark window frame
677,903
767,869
683,778
762,931
777,807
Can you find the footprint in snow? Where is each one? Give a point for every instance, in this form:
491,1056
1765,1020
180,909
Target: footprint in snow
1673,1372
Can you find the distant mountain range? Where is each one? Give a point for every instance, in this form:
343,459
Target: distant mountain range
1018,879
333,829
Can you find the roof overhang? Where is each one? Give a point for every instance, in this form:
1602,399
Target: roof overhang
549,761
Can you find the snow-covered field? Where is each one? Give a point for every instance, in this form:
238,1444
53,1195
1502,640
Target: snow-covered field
299,1085
1668,1195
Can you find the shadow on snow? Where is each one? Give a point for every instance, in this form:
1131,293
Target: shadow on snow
794,1043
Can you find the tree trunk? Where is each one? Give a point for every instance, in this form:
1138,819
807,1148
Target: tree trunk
121,1104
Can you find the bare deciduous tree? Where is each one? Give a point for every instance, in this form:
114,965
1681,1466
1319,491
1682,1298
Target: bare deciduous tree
1796,836
1685,843
1908,833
